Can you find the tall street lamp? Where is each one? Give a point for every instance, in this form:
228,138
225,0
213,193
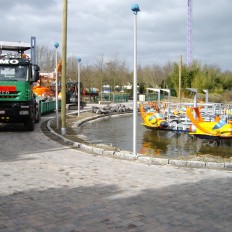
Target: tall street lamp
64,58
78,83
56,45
135,9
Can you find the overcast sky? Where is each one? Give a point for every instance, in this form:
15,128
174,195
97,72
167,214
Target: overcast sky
105,27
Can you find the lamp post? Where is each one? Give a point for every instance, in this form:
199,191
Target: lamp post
114,90
135,9
56,45
195,95
78,83
206,98
64,58
101,87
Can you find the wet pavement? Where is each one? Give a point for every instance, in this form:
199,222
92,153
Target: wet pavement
47,186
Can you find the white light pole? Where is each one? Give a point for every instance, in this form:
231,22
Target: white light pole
206,98
195,95
135,9
56,45
79,78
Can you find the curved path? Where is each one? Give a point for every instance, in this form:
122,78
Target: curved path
47,186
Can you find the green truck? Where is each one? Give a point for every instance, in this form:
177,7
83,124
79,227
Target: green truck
18,72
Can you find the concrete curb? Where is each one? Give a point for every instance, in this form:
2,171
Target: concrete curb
121,154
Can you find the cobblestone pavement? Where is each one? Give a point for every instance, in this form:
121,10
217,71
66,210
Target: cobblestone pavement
46,186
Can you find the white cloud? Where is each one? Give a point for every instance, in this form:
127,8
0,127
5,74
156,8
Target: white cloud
106,27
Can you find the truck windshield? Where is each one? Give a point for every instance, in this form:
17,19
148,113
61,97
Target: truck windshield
13,73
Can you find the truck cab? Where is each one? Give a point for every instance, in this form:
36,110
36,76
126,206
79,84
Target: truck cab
17,74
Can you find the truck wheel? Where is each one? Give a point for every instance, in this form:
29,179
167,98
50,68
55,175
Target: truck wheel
29,124
38,114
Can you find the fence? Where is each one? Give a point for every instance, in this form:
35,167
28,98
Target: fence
108,97
153,97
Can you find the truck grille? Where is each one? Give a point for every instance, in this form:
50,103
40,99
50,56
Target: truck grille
12,95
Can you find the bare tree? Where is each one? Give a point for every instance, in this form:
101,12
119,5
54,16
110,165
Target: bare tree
46,59
117,71
99,72
72,65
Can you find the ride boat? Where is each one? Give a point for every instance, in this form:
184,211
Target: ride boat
218,129
152,117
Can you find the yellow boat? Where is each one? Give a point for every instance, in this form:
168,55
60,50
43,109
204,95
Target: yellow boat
219,129
152,118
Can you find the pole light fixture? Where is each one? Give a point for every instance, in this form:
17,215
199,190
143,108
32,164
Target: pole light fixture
78,83
56,45
135,9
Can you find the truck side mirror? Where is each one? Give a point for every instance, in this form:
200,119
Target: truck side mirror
36,73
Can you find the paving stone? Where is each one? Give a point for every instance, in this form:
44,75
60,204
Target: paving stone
228,165
98,150
86,147
108,152
214,165
47,186
125,155
196,164
182,163
159,161
145,159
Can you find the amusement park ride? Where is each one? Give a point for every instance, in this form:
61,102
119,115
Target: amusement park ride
205,120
